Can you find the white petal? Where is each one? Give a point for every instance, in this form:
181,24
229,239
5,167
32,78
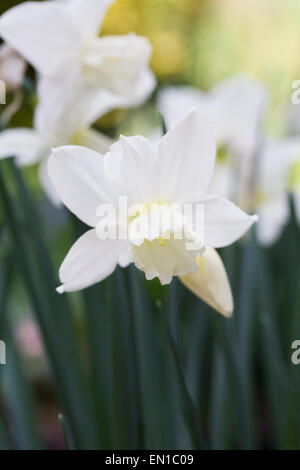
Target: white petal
239,103
155,137
132,165
125,258
187,157
97,100
24,144
144,86
12,67
88,15
275,162
222,182
50,111
62,109
47,184
224,222
210,283
115,62
272,217
78,176
175,102
42,33
90,260
69,103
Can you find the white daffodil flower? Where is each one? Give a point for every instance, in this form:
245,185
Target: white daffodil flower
176,172
273,181
60,38
51,128
235,108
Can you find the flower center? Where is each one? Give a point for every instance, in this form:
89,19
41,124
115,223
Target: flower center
155,221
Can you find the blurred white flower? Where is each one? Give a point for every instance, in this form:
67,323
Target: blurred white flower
249,168
177,171
51,128
12,67
12,73
60,39
235,107
275,164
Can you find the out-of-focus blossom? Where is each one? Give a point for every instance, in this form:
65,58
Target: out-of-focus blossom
12,72
274,178
176,172
61,40
256,170
235,107
28,338
12,67
52,128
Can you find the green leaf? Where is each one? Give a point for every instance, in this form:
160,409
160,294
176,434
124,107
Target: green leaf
52,313
68,438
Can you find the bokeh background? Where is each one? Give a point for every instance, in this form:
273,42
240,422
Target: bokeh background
140,386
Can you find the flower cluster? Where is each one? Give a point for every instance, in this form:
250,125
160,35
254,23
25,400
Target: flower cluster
82,76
